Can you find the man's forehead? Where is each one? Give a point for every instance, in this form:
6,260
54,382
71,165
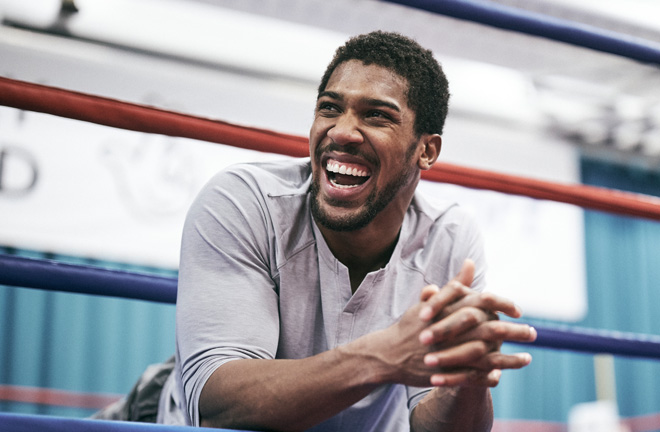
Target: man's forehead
355,66
370,75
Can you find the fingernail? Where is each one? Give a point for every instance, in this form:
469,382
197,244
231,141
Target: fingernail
533,333
430,360
526,357
519,310
438,380
426,337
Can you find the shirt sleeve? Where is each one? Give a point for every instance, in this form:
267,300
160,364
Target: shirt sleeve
227,303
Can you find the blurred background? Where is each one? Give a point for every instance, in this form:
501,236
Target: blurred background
83,193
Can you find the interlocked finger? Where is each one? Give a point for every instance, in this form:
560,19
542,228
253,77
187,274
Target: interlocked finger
467,378
486,301
453,325
449,294
497,360
467,353
499,331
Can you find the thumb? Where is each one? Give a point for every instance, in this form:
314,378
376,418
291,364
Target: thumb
427,292
466,274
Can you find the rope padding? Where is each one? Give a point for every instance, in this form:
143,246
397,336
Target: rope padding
119,114
536,24
55,276
73,278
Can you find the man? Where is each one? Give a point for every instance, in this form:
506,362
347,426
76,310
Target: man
309,291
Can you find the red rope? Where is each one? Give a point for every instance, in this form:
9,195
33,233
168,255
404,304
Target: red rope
590,197
110,112
45,396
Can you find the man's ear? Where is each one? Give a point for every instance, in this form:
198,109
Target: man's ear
432,146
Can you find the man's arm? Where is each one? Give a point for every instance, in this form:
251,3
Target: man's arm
287,394
297,394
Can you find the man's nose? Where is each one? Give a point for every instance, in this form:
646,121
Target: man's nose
345,131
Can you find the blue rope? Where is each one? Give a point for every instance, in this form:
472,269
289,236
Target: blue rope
56,276
29,423
535,24
597,341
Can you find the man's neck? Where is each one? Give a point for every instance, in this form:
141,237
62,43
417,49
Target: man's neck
362,251
370,248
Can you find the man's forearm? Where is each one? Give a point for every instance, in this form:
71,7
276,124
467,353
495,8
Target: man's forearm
298,394
454,409
288,394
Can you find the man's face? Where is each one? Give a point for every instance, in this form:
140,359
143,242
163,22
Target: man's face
362,145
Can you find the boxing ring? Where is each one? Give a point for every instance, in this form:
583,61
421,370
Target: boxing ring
41,274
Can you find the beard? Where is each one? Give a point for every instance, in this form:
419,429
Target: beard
374,204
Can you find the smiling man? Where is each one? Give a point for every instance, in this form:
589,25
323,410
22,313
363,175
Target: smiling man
326,294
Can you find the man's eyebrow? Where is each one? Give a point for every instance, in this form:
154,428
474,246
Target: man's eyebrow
382,103
330,94
369,101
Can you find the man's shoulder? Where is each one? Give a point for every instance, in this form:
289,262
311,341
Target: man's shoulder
279,177
433,208
436,216
441,235
273,178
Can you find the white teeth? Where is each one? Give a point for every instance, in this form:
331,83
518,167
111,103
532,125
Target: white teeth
343,186
343,169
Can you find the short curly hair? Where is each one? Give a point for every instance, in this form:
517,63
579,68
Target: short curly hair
428,88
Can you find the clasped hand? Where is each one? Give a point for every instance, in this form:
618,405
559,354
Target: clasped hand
452,337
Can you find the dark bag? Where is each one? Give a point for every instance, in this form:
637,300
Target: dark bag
141,403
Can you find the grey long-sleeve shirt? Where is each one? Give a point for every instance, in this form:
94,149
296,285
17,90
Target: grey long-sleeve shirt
257,280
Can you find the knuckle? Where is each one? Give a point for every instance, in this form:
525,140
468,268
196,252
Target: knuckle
492,361
493,381
470,316
438,335
440,332
488,299
479,349
455,286
497,329
478,377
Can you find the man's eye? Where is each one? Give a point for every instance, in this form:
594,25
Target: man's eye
377,114
326,106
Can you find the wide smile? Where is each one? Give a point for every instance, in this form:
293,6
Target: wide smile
346,175
345,179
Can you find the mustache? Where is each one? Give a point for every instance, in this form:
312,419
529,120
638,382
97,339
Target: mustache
348,149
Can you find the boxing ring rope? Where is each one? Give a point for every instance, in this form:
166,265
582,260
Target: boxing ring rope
536,24
51,275
31,423
57,276
74,278
124,115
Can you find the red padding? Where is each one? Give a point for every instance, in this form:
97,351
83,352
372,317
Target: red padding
124,115
589,197
110,112
45,396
